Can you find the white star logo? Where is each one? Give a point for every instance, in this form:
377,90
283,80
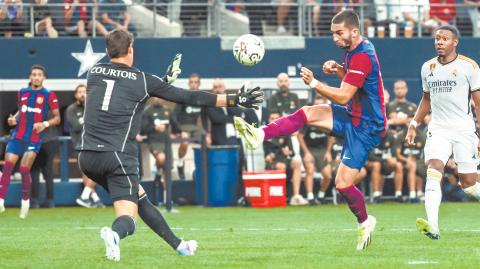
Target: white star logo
87,58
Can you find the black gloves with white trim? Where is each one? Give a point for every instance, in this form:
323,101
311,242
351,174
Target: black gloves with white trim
246,98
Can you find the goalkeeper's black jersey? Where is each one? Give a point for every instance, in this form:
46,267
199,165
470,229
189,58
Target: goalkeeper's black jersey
116,96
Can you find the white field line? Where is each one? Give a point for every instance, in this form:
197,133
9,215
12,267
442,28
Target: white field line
421,262
249,229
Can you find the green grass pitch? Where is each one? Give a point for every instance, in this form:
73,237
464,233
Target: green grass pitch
293,237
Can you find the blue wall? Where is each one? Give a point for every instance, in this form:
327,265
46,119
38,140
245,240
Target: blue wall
399,58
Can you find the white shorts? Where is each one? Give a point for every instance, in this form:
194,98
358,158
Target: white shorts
441,145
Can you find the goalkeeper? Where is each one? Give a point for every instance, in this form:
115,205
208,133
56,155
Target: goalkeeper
116,95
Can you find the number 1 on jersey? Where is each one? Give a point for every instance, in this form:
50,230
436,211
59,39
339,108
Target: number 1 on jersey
108,94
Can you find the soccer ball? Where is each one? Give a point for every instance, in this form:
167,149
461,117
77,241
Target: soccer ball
248,50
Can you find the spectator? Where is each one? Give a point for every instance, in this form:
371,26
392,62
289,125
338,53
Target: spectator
323,12
474,14
187,120
44,163
443,12
115,16
78,18
388,12
221,118
283,101
416,12
193,15
400,110
287,10
74,117
11,17
409,156
43,19
368,7
421,172
317,156
257,13
279,156
155,127
382,162
223,132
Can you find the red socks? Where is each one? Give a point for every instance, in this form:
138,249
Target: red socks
355,201
285,125
5,179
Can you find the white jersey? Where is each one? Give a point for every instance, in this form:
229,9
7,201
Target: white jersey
450,87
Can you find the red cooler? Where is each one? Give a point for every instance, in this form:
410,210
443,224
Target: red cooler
265,188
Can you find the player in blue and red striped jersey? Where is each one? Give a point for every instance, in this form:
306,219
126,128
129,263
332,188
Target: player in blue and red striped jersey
34,103
358,115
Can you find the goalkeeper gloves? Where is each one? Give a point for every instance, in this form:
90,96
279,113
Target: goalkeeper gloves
173,69
246,98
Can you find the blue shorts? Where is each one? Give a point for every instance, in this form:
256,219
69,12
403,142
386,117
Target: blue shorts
358,141
19,147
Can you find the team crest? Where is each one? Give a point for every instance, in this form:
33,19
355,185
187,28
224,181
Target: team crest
455,72
40,100
432,67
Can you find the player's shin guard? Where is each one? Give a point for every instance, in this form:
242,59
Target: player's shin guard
124,226
285,125
5,179
433,196
356,202
473,191
26,182
152,217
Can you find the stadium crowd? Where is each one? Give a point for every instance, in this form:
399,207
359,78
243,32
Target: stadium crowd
381,18
310,156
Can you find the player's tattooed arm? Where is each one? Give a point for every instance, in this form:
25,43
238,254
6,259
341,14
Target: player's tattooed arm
422,111
55,120
340,95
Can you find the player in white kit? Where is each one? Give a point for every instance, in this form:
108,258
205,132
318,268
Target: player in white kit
450,81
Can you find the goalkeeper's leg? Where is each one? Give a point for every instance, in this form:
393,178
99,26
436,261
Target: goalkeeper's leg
152,217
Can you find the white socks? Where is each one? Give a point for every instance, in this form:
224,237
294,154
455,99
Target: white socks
86,193
473,191
95,197
398,193
412,195
377,193
310,196
321,194
433,197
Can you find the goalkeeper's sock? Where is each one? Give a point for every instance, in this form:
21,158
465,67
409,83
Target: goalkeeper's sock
124,226
152,217
285,125
433,196
473,191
